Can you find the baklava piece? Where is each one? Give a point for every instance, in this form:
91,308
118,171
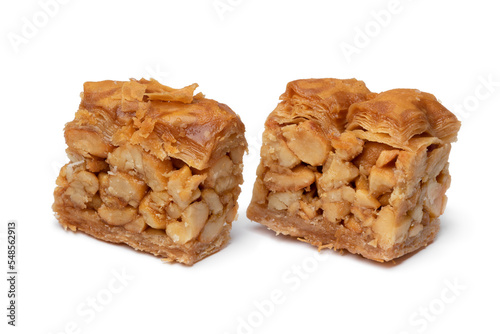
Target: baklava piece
152,167
342,167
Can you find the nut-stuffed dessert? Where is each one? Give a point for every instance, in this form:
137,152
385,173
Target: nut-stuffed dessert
152,167
342,167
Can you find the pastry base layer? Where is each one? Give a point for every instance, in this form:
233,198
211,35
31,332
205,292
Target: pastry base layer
151,241
322,234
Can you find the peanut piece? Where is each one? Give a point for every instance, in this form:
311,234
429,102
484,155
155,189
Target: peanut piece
193,220
220,176
127,158
137,226
232,212
437,161
362,182
82,188
347,146
173,211
308,210
126,187
155,171
155,219
212,228
183,186
381,180
336,211
337,173
415,230
353,225
385,227
282,200
117,217
435,201
344,193
308,142
365,200
107,199
159,200
363,215
212,199
293,180
390,231
275,149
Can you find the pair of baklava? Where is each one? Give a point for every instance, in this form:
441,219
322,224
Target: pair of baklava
160,168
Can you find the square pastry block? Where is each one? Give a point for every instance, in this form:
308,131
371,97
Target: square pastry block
342,167
152,167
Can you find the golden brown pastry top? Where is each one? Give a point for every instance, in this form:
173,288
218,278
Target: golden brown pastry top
404,114
330,94
323,100
163,120
336,105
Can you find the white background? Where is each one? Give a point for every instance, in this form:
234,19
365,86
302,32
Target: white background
244,57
